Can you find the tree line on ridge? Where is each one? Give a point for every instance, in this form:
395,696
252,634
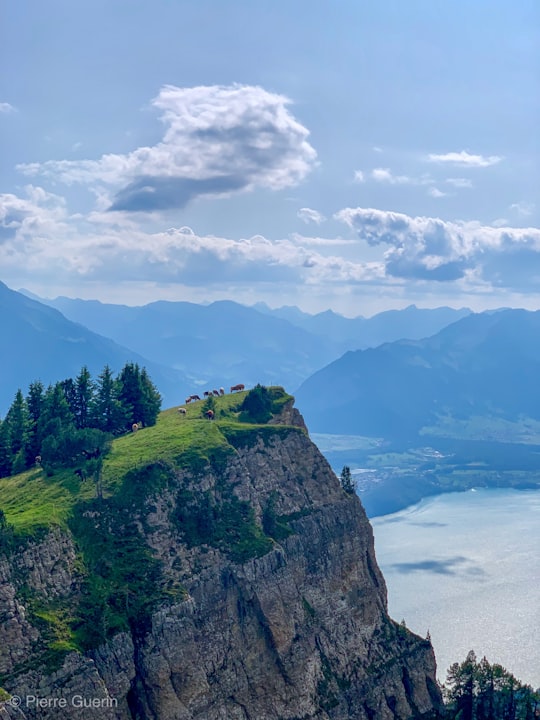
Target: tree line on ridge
54,426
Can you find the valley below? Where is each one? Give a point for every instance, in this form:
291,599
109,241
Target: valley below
465,567
391,475
456,536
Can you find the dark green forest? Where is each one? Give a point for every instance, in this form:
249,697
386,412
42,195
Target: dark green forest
478,690
75,418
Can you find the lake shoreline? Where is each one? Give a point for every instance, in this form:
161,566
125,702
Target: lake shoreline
462,565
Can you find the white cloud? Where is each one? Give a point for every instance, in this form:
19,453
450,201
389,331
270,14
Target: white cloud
385,175
320,241
308,215
359,176
465,159
523,209
39,238
218,140
436,193
459,182
5,108
424,248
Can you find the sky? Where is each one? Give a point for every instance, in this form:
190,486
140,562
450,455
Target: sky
350,155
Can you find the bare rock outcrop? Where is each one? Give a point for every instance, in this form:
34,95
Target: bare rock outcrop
299,631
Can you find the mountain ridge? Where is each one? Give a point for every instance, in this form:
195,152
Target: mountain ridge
44,345
483,363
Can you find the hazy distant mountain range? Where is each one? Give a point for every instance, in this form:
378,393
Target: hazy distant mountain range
359,333
186,346
227,342
39,343
218,344
485,365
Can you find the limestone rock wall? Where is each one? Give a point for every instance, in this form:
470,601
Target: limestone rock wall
299,633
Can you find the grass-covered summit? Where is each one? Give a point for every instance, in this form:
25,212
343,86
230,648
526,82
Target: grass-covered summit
32,500
119,578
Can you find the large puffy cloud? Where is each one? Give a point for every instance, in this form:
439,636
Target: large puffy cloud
217,140
425,248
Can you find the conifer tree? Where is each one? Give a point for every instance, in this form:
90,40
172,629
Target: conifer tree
56,413
346,480
34,406
5,450
109,414
130,394
84,390
150,400
16,420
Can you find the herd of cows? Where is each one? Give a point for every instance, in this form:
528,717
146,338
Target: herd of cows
193,398
210,393
217,393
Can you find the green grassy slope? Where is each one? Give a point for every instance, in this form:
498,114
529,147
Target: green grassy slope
32,501
120,579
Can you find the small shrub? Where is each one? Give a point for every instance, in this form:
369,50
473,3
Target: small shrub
257,405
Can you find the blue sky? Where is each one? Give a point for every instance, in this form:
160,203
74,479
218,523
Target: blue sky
352,155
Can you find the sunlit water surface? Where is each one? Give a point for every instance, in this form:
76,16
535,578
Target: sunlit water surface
466,567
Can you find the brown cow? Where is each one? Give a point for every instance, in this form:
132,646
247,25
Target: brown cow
209,414
237,388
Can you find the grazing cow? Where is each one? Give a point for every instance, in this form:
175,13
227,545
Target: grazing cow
237,388
222,391
136,426
209,414
195,397
207,393
215,392
188,400
182,411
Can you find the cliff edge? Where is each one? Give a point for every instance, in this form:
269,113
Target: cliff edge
228,577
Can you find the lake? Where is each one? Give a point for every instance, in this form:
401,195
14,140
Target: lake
466,567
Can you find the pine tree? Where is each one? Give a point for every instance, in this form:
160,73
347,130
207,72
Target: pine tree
16,419
34,405
56,411
109,414
84,390
5,450
150,400
130,393
346,480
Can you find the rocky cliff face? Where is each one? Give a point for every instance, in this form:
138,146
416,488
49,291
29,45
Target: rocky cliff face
297,630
